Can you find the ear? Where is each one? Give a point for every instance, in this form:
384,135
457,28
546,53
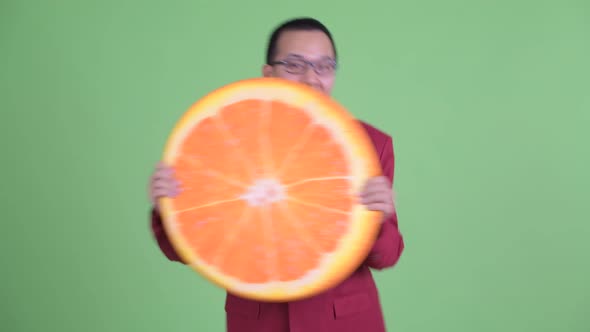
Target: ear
267,70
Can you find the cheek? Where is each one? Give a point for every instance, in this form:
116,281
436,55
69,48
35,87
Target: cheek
328,82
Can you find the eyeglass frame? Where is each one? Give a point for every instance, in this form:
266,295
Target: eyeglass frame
306,62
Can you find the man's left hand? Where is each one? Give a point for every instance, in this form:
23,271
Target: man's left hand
378,195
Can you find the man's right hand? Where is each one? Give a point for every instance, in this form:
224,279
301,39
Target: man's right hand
162,184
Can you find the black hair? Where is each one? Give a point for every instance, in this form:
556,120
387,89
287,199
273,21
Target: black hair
303,23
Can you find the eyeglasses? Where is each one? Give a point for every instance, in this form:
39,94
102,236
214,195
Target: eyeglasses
300,66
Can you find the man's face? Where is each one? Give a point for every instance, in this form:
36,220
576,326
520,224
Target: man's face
298,47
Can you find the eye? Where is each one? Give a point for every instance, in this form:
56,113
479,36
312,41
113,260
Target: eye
325,67
294,65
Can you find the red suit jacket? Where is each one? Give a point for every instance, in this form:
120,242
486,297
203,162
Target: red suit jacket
352,306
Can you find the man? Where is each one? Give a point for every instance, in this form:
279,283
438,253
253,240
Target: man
303,50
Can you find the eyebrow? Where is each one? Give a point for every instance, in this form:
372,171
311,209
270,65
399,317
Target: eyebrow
298,56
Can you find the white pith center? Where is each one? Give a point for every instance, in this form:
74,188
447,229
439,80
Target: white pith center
263,192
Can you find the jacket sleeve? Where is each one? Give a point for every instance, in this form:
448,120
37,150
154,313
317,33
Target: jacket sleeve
161,237
389,245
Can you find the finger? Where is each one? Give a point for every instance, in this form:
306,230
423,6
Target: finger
378,180
376,198
380,199
163,176
376,184
156,195
377,207
387,209
171,186
162,187
375,189
164,172
162,168
164,193
368,184
161,164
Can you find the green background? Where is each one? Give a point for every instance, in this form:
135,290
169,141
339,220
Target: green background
488,103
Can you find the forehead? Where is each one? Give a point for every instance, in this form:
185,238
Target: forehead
308,44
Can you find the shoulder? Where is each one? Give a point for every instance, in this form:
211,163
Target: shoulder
379,137
383,145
